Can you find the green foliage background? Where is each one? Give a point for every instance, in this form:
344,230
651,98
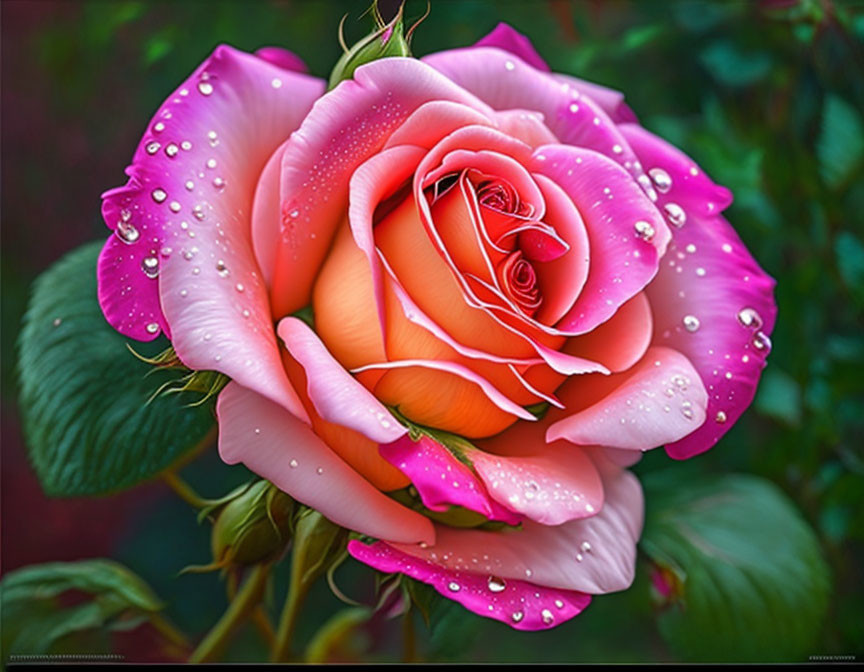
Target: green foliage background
766,96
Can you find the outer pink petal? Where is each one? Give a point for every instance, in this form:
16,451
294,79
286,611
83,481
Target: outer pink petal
347,126
287,60
617,213
337,396
507,38
442,480
277,446
519,604
593,555
506,82
711,300
202,153
659,400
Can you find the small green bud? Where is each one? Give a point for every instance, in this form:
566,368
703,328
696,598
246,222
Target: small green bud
388,39
253,527
318,544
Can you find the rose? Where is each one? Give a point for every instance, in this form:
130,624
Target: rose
497,257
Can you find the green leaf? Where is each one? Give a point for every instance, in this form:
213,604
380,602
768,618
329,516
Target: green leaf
84,397
733,67
841,142
34,620
750,579
779,397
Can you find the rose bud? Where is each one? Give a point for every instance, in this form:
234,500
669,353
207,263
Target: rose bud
253,527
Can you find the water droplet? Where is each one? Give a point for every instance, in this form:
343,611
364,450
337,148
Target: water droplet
495,584
211,163
691,323
153,147
661,179
185,145
150,266
574,107
127,232
579,557
517,616
57,321
761,341
509,65
617,149
159,195
198,212
547,617
152,328
159,127
171,150
454,587
319,470
559,604
676,214
748,317
175,206
218,182
644,230
293,464
276,83
586,546
190,185
239,287
720,418
687,410
206,88
221,268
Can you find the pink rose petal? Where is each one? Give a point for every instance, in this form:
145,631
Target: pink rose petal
442,480
276,445
519,604
711,300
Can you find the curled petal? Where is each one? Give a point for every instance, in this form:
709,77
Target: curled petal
505,37
336,395
275,444
658,401
442,480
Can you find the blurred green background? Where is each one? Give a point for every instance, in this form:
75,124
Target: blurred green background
766,96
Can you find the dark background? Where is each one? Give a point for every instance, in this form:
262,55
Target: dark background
766,96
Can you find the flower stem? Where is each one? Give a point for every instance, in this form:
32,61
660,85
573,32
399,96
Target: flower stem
238,611
409,640
287,622
183,489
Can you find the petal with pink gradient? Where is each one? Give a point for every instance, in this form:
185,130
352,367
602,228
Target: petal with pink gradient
711,300
434,120
276,445
229,101
550,484
507,38
336,395
519,604
592,555
287,60
442,480
627,234
658,401
345,127
506,82
266,216
188,202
